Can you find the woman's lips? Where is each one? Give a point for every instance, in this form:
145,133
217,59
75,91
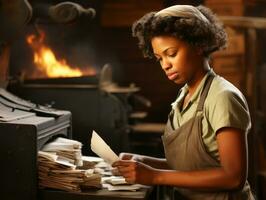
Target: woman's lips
172,76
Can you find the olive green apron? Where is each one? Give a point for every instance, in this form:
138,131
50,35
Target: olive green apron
185,151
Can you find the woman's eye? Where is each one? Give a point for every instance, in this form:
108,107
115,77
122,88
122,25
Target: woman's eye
172,55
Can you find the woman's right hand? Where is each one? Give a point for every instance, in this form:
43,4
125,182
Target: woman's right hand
127,156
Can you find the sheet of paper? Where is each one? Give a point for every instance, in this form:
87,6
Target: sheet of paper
92,159
133,187
99,147
115,180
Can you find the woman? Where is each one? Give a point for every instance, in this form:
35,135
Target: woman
205,138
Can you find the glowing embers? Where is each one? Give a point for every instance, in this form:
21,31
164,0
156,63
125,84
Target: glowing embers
48,65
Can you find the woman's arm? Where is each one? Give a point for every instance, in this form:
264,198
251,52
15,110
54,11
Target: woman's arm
231,175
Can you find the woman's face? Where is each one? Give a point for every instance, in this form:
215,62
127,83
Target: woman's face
180,61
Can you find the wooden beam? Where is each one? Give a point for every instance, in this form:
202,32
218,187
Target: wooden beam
244,22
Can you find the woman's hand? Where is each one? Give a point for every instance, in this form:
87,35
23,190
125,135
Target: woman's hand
135,172
126,156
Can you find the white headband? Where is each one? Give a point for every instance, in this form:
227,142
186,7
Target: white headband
186,11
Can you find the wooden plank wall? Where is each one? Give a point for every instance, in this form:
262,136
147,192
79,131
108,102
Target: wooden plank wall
117,13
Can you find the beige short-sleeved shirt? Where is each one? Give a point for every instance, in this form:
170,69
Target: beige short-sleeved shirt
225,106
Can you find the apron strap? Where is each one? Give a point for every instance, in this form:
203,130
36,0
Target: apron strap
205,91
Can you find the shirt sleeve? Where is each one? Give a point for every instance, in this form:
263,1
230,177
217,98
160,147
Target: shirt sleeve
229,109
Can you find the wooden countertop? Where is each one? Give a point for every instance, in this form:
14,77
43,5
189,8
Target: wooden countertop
100,194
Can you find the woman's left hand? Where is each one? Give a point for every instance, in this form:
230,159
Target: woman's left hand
135,172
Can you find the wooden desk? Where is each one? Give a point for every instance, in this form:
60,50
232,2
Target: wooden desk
102,194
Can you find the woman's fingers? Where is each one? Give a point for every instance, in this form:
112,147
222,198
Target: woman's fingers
115,172
130,179
125,156
123,163
126,168
128,173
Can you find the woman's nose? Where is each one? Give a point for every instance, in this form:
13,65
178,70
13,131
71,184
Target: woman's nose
166,64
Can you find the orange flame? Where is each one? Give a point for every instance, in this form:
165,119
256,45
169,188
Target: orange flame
48,64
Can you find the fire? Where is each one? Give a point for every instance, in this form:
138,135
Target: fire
48,64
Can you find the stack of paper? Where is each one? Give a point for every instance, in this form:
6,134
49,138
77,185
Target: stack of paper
61,174
66,149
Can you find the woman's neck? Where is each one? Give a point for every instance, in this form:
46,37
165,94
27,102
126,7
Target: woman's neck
199,75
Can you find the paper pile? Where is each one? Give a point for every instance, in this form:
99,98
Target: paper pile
60,174
60,166
66,149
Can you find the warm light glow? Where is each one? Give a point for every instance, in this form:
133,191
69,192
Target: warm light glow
48,64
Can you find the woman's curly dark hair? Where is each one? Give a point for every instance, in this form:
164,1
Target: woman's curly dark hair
207,36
